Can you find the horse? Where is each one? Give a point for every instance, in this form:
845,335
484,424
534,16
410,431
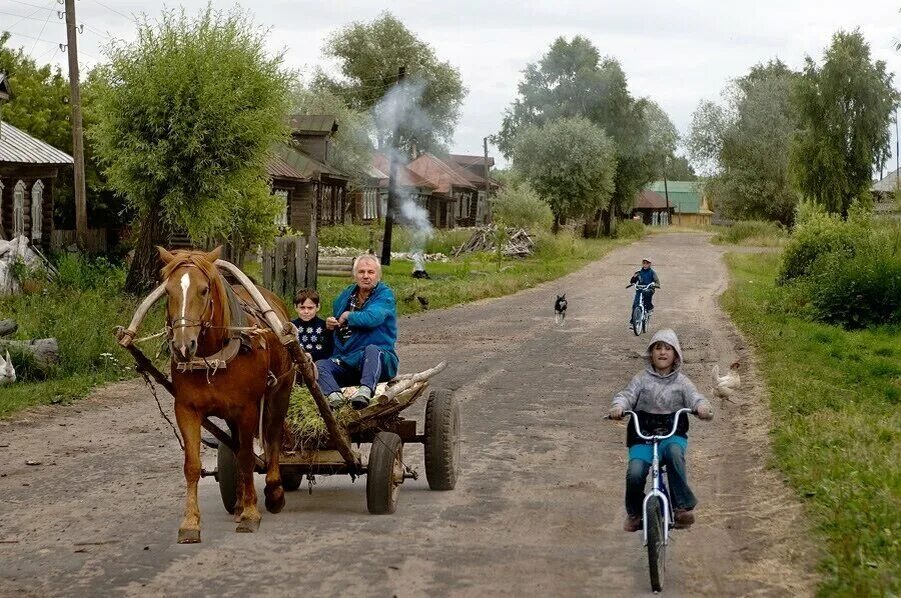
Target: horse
242,374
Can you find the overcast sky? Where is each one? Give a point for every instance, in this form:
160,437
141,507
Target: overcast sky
675,52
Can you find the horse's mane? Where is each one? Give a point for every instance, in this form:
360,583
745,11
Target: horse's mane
198,259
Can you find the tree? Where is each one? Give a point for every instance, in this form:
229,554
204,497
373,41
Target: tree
845,110
572,81
519,206
185,117
570,162
679,169
351,144
744,146
369,56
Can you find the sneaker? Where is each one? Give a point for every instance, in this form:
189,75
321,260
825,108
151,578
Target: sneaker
632,523
360,400
335,400
683,518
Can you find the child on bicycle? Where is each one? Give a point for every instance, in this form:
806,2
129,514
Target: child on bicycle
655,394
644,276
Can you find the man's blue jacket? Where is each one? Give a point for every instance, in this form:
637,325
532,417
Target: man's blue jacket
374,324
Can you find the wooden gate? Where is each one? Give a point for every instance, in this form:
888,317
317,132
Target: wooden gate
290,265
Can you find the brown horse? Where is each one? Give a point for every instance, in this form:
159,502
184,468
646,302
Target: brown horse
200,323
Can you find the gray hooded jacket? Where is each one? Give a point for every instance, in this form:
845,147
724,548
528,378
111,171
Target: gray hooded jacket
661,394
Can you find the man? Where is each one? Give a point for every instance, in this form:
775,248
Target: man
644,276
364,321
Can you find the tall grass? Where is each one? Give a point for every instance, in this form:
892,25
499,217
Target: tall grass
835,398
752,232
360,236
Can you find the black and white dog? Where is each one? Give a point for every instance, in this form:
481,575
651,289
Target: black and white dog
560,309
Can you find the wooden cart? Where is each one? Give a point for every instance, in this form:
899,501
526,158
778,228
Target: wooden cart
382,426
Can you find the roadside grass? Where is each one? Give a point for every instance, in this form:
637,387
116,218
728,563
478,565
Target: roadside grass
361,236
835,396
83,308
755,233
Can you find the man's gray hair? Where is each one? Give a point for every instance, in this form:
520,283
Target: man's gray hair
368,257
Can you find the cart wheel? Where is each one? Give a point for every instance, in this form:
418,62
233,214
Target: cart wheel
291,481
227,476
384,473
442,440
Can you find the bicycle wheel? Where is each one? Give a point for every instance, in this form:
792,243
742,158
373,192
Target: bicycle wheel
644,322
637,318
656,547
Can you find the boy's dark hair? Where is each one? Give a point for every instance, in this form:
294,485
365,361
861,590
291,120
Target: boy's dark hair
304,294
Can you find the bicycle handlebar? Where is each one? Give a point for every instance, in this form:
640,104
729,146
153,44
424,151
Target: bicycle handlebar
657,436
641,287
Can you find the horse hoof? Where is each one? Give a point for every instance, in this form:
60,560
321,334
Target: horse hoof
248,526
275,500
188,536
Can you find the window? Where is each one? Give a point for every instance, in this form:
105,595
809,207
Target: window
19,209
1,208
370,204
37,203
281,219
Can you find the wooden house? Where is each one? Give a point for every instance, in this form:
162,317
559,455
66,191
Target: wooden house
453,198
473,168
652,208
687,199
28,168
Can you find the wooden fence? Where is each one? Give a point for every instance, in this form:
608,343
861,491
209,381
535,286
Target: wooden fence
290,265
95,241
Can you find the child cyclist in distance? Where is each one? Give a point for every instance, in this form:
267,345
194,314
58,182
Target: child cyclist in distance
655,394
314,337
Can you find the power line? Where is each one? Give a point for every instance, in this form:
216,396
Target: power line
121,14
46,41
44,26
33,5
24,17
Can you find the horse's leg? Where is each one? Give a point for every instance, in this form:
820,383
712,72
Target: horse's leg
239,476
189,425
276,407
250,515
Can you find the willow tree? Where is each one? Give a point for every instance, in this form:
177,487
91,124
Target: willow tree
186,114
571,164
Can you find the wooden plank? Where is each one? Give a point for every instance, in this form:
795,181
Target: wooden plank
290,270
267,268
300,262
312,261
279,272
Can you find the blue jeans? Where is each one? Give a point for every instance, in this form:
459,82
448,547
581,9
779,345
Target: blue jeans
334,375
673,457
648,301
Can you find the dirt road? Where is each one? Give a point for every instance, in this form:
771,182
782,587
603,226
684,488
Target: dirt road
538,509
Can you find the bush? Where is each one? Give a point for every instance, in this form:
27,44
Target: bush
520,207
859,288
78,272
630,229
750,231
818,235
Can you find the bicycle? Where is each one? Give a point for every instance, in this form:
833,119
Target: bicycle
640,315
657,508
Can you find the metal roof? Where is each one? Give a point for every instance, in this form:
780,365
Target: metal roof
685,196
322,124
277,168
405,176
440,174
19,147
306,166
648,199
466,160
888,184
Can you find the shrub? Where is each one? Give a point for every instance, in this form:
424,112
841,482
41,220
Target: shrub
751,231
818,235
630,229
79,272
519,206
358,236
859,288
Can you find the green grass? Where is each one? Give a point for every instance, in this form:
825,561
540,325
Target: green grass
360,236
753,233
835,400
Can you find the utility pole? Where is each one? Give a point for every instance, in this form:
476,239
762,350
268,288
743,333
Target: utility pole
487,182
665,190
392,185
81,204
897,154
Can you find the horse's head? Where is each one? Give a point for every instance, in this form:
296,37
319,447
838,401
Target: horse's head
195,298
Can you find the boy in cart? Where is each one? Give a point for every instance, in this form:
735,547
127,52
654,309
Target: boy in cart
655,394
314,337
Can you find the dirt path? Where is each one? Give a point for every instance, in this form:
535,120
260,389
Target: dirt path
538,508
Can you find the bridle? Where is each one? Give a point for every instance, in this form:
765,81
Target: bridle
183,322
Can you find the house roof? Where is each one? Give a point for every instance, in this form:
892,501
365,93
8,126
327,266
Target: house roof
17,146
888,184
321,124
647,199
278,168
442,176
466,160
304,165
405,176
685,196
